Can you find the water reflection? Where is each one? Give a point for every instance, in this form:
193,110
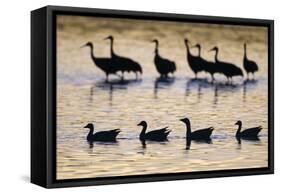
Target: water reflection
162,83
189,142
121,104
246,84
111,143
199,83
144,143
112,86
254,139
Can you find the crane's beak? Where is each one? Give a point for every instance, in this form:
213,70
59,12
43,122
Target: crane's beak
236,123
83,46
106,38
211,50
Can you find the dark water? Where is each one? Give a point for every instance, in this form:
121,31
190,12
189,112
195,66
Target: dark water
83,96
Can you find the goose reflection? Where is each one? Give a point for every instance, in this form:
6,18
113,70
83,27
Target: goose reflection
143,143
188,142
112,143
254,139
162,82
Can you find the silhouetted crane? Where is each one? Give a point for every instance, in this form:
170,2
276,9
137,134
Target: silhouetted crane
105,64
194,62
207,66
122,63
249,65
163,66
228,69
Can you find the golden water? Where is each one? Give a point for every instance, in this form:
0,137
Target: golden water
83,97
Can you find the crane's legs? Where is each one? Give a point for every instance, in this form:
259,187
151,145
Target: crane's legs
213,78
106,80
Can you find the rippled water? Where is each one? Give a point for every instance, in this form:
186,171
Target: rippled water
83,96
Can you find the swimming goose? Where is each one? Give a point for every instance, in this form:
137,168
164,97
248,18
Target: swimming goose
201,134
155,135
106,136
251,133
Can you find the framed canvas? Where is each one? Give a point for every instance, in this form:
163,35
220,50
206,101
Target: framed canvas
125,96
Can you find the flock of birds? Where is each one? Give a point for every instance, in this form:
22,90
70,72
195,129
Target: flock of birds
164,66
116,63
160,135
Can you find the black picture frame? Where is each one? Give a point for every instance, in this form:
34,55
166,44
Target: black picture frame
43,95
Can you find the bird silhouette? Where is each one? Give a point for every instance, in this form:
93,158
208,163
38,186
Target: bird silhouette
201,134
207,66
105,136
155,135
195,63
249,65
250,133
105,64
227,69
163,66
123,64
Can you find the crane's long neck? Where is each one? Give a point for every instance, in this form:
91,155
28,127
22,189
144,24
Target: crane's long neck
156,48
245,51
216,55
239,129
199,51
92,52
111,47
188,130
187,48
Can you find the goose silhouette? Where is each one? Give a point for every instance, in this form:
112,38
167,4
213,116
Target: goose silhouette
163,66
207,66
200,134
105,64
195,63
250,133
123,64
104,136
249,65
155,135
227,69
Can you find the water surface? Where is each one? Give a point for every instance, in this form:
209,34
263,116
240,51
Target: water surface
83,97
